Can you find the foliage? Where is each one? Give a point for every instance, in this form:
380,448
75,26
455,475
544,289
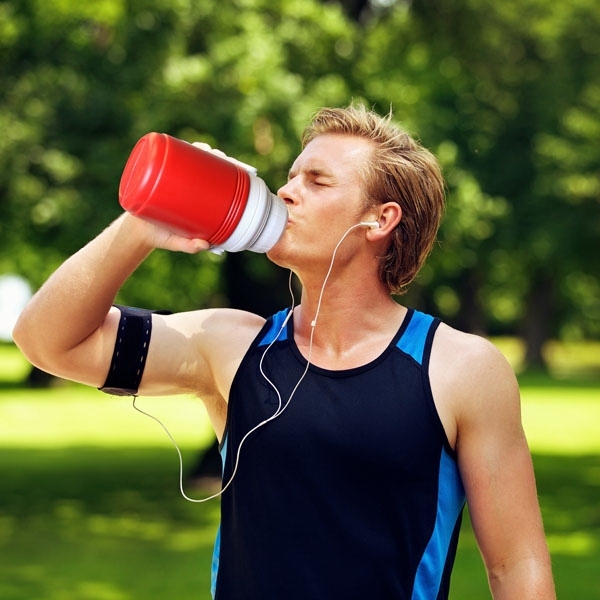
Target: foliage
505,93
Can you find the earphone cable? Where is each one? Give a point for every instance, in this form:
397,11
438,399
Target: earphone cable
280,407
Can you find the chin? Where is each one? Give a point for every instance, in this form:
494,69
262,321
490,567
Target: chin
274,254
278,260
281,254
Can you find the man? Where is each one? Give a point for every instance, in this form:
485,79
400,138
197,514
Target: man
352,428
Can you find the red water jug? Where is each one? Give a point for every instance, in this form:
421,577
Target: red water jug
195,193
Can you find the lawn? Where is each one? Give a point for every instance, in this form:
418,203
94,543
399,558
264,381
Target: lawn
90,508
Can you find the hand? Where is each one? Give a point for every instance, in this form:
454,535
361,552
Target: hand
157,236
177,243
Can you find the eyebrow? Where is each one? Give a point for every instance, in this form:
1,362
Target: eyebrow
313,172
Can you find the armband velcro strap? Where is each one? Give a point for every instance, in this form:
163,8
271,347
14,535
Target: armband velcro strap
131,349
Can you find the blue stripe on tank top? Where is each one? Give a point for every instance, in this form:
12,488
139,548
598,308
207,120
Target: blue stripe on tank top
274,331
214,568
451,500
413,339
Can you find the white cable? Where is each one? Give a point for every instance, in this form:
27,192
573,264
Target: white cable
280,408
178,453
314,321
237,459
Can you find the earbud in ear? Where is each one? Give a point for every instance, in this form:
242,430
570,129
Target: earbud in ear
370,224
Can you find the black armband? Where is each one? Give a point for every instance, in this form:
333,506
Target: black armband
131,349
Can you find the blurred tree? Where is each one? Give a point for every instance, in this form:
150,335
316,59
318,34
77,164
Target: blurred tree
81,82
505,93
74,78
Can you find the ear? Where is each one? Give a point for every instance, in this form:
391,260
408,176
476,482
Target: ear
388,216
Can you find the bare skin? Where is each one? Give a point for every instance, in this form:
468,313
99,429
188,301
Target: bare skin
69,329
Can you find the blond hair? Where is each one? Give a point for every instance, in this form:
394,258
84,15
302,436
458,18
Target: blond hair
399,170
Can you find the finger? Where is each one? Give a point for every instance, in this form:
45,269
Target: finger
202,146
207,148
192,246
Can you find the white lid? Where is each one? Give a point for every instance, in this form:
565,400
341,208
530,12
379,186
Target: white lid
262,222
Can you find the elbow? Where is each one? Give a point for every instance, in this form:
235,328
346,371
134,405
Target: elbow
25,338
530,577
19,333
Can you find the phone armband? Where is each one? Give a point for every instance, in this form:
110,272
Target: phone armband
130,352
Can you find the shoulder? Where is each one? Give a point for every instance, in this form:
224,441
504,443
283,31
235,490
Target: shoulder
471,355
472,382
216,324
220,336
199,350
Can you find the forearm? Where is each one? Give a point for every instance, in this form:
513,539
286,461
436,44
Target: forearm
75,300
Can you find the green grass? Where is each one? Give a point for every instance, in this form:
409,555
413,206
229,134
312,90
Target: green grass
90,507
87,523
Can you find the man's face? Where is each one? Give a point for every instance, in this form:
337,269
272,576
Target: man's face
324,197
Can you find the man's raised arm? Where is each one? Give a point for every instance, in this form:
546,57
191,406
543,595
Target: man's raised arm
68,328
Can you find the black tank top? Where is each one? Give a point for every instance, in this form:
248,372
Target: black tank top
353,492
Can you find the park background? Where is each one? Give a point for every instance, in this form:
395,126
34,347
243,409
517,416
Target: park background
506,93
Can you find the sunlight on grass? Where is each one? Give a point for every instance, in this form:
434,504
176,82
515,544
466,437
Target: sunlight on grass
75,416
558,422
563,358
576,543
560,418
91,508
13,366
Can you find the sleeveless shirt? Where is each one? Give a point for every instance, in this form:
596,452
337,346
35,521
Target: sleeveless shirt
352,492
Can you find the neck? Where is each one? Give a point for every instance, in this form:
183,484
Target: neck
352,324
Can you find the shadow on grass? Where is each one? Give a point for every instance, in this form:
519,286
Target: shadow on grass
110,524
569,492
101,524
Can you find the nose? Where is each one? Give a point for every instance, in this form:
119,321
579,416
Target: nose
287,192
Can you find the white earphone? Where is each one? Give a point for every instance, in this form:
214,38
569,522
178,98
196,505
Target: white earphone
281,407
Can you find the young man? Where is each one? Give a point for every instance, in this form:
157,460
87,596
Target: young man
354,429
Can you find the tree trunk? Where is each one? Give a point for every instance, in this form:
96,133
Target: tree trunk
355,8
470,317
537,324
